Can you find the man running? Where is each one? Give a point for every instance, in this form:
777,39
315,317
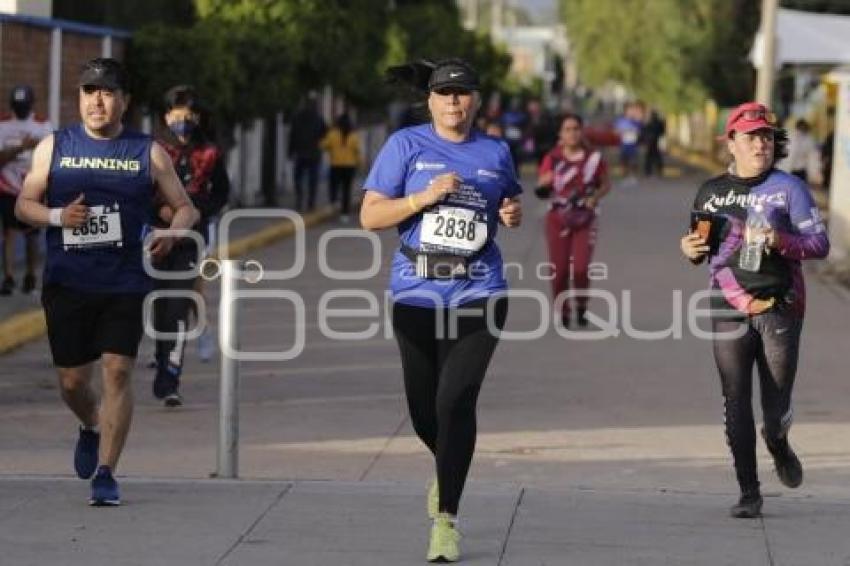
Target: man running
99,181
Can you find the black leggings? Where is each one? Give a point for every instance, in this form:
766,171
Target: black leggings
772,343
442,378
339,184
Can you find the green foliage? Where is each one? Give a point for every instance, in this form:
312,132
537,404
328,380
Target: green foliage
225,62
257,56
673,53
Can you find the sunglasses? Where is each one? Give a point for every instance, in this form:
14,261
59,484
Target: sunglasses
758,114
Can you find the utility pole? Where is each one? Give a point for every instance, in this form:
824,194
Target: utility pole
764,85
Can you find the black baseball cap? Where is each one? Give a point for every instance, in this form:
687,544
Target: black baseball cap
453,73
104,72
21,94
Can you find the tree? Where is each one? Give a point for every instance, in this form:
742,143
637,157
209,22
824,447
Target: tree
257,57
673,53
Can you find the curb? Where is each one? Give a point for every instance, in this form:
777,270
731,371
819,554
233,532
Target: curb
22,328
30,325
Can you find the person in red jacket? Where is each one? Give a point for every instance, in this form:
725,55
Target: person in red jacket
200,165
574,177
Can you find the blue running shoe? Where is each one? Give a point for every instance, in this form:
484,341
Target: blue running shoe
104,489
85,455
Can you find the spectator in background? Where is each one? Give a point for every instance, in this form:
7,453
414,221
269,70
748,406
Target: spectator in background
19,134
628,126
494,129
308,129
803,156
542,131
826,158
343,146
514,122
651,135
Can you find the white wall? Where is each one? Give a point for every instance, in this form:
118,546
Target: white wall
839,191
41,8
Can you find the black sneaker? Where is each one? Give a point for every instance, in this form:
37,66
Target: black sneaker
173,399
29,283
788,466
165,383
581,318
748,507
8,286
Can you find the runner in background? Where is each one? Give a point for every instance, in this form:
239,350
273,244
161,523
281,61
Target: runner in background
574,178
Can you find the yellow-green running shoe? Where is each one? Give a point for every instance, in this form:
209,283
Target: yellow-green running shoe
433,499
444,540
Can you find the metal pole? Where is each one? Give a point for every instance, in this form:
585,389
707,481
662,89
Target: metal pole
764,86
228,429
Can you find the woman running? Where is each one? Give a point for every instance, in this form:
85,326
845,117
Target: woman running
445,186
575,177
755,223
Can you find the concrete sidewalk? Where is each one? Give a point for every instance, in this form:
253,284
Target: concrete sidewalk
163,522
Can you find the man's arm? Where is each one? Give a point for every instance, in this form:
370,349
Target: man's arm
30,208
171,191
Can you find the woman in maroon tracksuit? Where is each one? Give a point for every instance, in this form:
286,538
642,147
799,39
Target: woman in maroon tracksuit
574,177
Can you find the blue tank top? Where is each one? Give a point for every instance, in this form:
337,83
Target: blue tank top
104,255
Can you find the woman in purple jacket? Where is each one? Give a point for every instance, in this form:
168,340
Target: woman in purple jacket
757,311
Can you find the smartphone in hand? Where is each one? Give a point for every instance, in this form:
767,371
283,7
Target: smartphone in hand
707,225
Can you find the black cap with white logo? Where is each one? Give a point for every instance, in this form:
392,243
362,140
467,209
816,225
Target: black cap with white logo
104,72
453,73
22,94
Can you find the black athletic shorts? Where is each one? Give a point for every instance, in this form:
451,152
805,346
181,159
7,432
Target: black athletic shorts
81,325
7,214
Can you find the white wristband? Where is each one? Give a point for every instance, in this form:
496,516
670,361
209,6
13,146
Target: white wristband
55,217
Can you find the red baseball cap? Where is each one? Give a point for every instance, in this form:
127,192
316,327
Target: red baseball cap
749,117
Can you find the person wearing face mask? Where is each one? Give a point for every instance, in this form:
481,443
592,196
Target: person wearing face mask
758,298
19,134
200,165
446,187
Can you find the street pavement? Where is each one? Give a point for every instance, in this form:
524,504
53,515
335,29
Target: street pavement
590,451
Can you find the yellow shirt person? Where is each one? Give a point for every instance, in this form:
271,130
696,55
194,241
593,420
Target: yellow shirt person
344,151
343,147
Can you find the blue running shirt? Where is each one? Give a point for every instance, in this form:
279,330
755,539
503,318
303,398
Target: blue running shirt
410,158
104,255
